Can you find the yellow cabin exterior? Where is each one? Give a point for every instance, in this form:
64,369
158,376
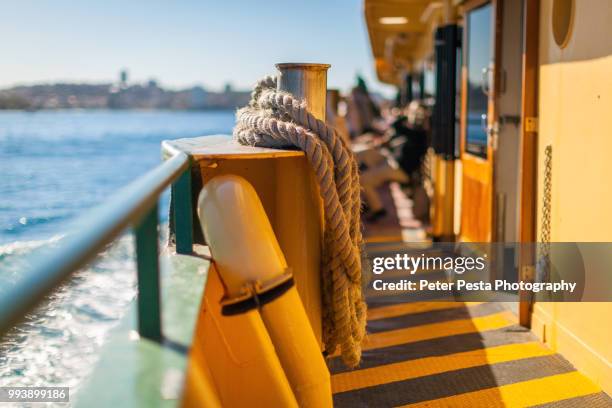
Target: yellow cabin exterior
575,101
561,71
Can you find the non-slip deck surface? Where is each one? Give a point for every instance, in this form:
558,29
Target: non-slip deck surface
427,353
455,355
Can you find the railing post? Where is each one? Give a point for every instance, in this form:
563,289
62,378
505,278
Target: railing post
147,263
182,213
93,231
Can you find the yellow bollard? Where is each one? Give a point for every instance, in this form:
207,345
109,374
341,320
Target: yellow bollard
255,274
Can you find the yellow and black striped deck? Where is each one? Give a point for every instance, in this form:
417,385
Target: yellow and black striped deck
454,354
451,354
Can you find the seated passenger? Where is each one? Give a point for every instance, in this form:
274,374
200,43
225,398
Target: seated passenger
407,145
362,112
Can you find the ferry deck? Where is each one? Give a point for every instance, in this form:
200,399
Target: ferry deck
543,81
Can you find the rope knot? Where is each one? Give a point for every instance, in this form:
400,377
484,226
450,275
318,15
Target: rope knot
276,119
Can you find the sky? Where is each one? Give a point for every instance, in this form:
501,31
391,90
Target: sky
181,43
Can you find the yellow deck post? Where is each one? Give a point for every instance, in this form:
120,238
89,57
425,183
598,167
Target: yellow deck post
264,323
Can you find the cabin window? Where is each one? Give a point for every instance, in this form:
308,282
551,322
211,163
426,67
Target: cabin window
562,20
479,62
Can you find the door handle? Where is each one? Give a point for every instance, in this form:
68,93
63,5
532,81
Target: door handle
485,85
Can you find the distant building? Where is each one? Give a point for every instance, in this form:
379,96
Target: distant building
123,78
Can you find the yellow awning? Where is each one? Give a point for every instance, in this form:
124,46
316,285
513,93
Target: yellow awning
401,34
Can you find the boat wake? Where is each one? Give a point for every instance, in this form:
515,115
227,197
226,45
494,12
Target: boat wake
59,343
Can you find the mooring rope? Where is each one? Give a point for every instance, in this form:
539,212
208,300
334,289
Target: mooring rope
277,119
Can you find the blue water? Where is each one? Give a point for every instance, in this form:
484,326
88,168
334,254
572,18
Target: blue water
53,166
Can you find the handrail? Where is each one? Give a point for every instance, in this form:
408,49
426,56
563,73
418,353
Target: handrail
136,205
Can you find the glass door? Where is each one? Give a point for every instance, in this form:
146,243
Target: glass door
477,115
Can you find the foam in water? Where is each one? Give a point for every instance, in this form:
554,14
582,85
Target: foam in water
58,344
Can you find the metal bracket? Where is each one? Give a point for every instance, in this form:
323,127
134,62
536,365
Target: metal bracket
256,295
493,133
531,124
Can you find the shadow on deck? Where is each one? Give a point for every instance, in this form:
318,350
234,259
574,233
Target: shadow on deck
398,225
450,354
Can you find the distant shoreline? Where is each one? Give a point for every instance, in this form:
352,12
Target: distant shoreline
119,96
116,110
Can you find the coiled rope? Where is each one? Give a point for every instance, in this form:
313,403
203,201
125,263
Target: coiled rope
277,119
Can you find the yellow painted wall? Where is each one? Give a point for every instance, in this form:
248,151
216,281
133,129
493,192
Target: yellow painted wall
575,117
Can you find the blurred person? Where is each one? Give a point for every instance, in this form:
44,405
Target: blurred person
362,110
399,161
